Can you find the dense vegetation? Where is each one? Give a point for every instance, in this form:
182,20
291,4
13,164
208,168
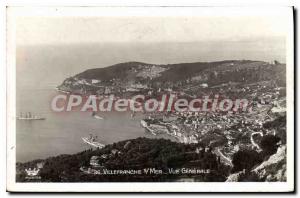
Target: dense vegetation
247,159
161,154
213,73
139,154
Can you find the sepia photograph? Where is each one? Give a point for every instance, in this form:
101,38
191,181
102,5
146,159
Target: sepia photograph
152,99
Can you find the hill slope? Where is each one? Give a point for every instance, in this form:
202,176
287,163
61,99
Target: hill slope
176,76
135,154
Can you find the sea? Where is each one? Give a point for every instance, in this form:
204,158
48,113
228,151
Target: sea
41,68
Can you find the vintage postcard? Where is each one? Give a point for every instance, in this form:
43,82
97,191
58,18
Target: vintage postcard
150,99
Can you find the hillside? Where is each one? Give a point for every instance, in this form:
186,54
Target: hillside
178,77
135,154
272,169
238,141
176,72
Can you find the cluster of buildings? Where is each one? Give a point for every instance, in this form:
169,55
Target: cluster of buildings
228,131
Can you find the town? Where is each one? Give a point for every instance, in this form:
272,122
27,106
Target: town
260,84
223,135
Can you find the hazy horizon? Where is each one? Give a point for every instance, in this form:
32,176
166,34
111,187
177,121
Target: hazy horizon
38,63
59,46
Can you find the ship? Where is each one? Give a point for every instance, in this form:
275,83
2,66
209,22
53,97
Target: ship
29,116
92,140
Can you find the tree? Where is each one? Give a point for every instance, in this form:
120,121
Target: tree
245,159
269,144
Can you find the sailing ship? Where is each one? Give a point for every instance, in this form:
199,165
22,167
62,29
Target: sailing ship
29,116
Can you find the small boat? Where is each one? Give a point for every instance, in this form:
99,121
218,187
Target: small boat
29,116
97,116
92,141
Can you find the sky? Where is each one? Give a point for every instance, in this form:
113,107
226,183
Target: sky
65,29
72,40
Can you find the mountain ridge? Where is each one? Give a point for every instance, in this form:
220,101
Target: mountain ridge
178,77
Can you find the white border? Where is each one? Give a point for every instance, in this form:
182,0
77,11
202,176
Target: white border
144,187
